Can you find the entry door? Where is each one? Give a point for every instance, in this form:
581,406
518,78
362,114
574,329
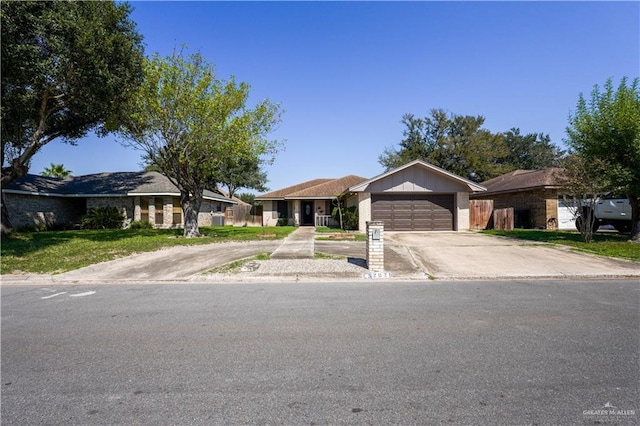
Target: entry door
307,213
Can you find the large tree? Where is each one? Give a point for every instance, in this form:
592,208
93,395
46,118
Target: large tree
67,68
461,145
607,128
238,172
456,143
532,151
188,123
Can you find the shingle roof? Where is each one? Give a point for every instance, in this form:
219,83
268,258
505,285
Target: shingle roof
104,184
521,180
284,192
316,188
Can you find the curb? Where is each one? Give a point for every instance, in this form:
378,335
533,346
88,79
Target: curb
213,279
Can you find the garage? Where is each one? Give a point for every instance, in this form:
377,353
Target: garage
414,212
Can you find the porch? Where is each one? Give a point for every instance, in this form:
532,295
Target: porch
305,212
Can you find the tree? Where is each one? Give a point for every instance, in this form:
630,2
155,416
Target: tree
533,151
456,143
239,172
67,68
607,128
585,181
56,170
188,124
249,198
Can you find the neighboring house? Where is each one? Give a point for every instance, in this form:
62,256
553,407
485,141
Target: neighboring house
307,203
535,196
147,196
415,197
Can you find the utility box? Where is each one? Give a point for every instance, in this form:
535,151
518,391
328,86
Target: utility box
375,246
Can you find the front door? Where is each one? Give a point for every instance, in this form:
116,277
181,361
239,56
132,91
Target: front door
307,213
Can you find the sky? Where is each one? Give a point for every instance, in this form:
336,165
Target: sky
345,73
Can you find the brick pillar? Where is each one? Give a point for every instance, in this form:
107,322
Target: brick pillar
152,212
136,208
375,246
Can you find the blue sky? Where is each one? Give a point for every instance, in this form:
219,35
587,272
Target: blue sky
346,72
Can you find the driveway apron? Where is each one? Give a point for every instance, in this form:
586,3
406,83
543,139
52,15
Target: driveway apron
460,255
175,263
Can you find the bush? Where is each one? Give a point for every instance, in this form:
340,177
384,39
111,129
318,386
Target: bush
283,221
103,218
350,217
140,224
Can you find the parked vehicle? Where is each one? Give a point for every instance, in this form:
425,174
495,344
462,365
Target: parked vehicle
609,210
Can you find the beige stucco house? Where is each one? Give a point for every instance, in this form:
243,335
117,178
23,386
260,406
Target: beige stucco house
415,197
308,203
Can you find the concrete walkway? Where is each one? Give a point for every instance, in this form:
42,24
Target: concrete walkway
298,245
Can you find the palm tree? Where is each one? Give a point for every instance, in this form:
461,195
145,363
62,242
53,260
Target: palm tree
56,170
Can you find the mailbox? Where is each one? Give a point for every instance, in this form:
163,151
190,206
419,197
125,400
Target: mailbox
375,234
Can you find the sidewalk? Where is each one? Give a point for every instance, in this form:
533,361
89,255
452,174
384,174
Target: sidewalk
298,245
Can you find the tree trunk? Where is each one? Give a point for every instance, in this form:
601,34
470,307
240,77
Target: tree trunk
190,209
634,202
9,174
5,225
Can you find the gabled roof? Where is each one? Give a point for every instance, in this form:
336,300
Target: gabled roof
117,184
473,187
313,189
525,180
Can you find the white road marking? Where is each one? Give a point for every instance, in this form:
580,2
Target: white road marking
53,295
88,293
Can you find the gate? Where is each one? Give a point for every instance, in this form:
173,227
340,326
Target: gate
480,214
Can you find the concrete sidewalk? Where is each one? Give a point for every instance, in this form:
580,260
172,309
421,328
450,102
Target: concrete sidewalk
298,245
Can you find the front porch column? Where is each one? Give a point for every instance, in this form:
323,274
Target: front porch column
137,210
152,211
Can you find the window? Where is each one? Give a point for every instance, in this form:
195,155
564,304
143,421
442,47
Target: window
283,208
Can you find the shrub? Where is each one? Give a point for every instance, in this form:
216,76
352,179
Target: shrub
140,224
350,217
283,221
103,218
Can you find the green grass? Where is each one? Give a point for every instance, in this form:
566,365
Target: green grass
318,255
357,236
62,251
236,265
603,244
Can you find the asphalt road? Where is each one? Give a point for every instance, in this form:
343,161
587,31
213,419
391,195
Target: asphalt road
509,352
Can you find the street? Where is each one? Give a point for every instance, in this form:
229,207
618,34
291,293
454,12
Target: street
461,352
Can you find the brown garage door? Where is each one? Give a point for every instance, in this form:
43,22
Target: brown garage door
413,212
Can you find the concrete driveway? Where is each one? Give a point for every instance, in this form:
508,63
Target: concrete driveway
469,255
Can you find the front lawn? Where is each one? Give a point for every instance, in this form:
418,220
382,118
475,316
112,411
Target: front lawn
604,243
332,234
62,251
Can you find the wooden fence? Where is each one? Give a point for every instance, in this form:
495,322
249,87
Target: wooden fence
483,216
242,214
503,219
480,212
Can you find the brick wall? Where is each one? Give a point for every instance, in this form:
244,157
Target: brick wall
364,210
542,205
462,211
30,210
